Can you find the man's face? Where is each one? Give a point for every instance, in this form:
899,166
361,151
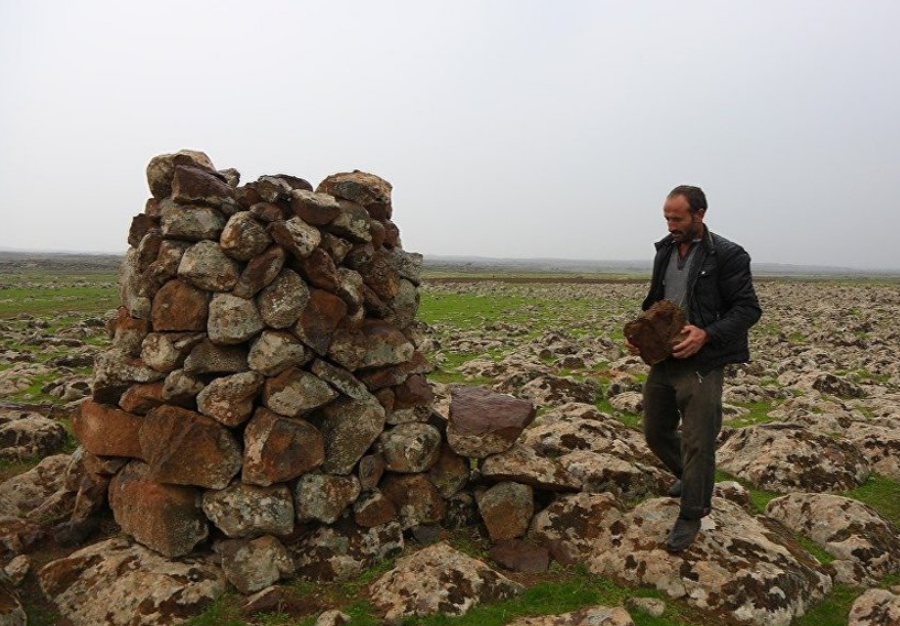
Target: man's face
683,225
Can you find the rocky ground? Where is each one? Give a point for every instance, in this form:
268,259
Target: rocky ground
806,522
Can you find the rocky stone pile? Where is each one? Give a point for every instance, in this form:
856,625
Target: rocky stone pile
264,371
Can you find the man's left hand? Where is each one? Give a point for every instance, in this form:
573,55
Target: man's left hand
696,339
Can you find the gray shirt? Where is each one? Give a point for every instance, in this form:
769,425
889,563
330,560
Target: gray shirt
676,279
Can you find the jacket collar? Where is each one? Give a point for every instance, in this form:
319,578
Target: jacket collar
706,241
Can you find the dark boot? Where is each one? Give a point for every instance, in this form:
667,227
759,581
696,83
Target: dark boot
675,489
682,534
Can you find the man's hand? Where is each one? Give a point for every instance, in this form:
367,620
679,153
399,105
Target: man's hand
632,349
696,339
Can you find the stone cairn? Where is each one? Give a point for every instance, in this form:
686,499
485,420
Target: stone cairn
264,388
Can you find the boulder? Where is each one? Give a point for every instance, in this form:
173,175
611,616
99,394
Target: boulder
360,187
571,524
601,472
281,302
229,399
241,510
274,351
30,434
198,185
296,392
278,449
166,352
118,583
506,509
188,223
206,266
483,422
296,236
244,237
742,566
165,518
107,431
343,551
25,492
233,320
349,428
880,445
410,448
875,607
523,465
323,497
787,457
865,545
438,579
254,564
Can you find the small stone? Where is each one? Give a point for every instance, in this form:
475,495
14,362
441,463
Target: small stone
275,351
254,564
651,606
260,271
209,358
278,449
323,497
520,556
229,399
233,320
206,266
506,509
243,237
295,235
317,209
295,392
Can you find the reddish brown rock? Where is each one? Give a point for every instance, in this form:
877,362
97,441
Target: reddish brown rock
260,271
450,472
336,247
141,398
166,518
209,358
373,509
278,449
129,332
391,234
416,499
520,556
165,266
106,430
193,185
415,391
317,209
349,428
161,169
506,509
148,250
356,186
319,319
179,306
319,270
141,224
381,377
229,399
185,448
323,497
483,422
267,212
656,330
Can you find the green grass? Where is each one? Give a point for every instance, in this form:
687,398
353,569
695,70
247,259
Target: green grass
882,494
759,414
41,293
759,498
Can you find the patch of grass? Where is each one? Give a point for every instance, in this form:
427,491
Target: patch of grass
882,494
10,468
759,498
222,612
759,414
814,549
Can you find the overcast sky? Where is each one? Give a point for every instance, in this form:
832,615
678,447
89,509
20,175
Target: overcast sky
508,128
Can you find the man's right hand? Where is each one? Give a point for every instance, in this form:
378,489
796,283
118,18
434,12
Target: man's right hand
632,349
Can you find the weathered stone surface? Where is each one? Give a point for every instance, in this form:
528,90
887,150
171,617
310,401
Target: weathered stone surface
483,422
209,358
415,391
141,224
275,351
254,564
588,616
342,380
351,291
549,390
373,509
408,264
381,276
165,266
243,237
241,510
319,319
450,472
601,472
133,287
30,434
179,306
22,493
865,545
876,607
260,271
229,399
181,389
129,333
191,223
520,556
282,301
198,185
343,551
233,320
182,447
206,266
118,583
371,469
880,445
274,599
571,524
332,618
787,457
278,449
336,247
296,392
404,305
439,579
114,372
370,344
165,518
656,330
317,209
411,447
360,187
296,236
268,212
323,497
417,501
106,430
351,223
139,399
161,169
319,270
166,352
523,465
349,428
733,567
506,509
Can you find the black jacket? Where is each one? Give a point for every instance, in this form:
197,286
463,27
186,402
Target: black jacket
720,297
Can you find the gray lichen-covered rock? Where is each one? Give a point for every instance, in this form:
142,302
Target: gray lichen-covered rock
740,565
588,616
483,422
523,465
506,509
880,445
344,550
229,399
411,447
28,434
865,545
349,428
571,524
244,237
20,494
275,351
323,497
876,607
296,392
601,472
189,223
254,564
439,579
118,583
283,300
242,510
787,457
206,266
233,320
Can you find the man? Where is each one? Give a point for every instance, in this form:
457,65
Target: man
709,278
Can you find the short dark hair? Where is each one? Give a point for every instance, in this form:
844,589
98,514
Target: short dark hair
694,195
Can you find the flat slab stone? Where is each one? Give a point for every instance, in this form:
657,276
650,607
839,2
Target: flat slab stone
120,583
483,422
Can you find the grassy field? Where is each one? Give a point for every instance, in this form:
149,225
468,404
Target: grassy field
63,300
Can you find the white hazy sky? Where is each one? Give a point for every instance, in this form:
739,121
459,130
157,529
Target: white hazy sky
509,128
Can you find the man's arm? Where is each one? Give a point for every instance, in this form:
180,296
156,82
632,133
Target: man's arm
740,306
